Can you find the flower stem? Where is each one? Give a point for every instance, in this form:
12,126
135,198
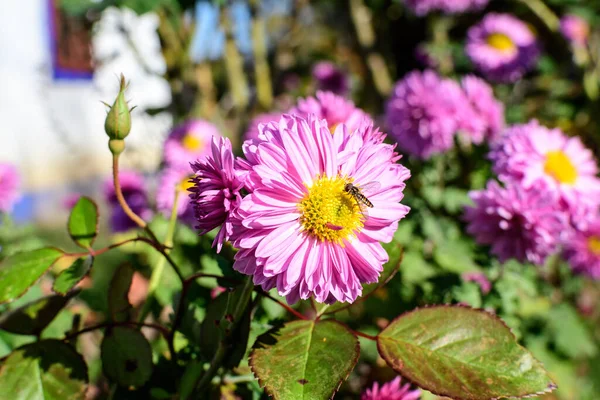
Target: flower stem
544,13
288,308
159,269
138,220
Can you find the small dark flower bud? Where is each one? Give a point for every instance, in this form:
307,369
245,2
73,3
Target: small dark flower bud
118,119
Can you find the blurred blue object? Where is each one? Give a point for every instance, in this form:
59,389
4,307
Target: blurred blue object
23,210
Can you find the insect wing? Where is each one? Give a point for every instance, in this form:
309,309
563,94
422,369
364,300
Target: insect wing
370,188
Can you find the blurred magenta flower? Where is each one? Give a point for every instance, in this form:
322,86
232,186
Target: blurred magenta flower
531,153
330,78
252,129
392,390
189,141
134,193
215,194
524,224
9,186
487,121
333,108
424,7
480,279
301,230
582,250
503,48
424,112
176,179
575,29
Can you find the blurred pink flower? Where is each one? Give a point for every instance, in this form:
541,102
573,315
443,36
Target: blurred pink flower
582,250
424,7
330,78
252,129
575,29
215,194
519,223
531,153
333,108
189,142
300,229
175,179
392,390
480,279
424,113
503,48
488,112
9,186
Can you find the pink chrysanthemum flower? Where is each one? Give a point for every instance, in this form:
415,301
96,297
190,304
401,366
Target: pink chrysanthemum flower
9,186
502,47
582,250
176,180
531,153
304,231
575,29
215,194
134,193
488,115
334,109
519,223
392,390
424,7
252,129
424,112
189,142
330,78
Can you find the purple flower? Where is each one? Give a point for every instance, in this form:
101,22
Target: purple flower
519,223
134,193
582,249
252,129
531,153
172,180
575,29
334,109
424,112
480,279
487,121
330,78
424,7
502,47
189,142
9,186
215,194
301,229
392,390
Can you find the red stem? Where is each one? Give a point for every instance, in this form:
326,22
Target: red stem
288,308
364,335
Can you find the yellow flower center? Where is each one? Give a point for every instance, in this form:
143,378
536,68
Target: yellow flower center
594,244
501,42
329,213
332,128
560,167
185,184
192,143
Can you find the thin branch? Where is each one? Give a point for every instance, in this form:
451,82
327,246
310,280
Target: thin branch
365,335
163,330
288,308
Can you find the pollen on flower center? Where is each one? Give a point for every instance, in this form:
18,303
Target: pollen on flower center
593,243
501,42
559,166
329,213
185,184
191,142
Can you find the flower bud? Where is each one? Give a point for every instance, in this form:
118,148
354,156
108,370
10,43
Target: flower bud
118,119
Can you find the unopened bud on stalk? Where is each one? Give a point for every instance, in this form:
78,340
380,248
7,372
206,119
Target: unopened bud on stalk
118,120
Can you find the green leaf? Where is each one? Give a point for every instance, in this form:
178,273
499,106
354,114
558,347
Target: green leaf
415,269
304,359
83,222
118,291
19,272
71,276
462,353
455,256
47,370
126,356
32,318
571,336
